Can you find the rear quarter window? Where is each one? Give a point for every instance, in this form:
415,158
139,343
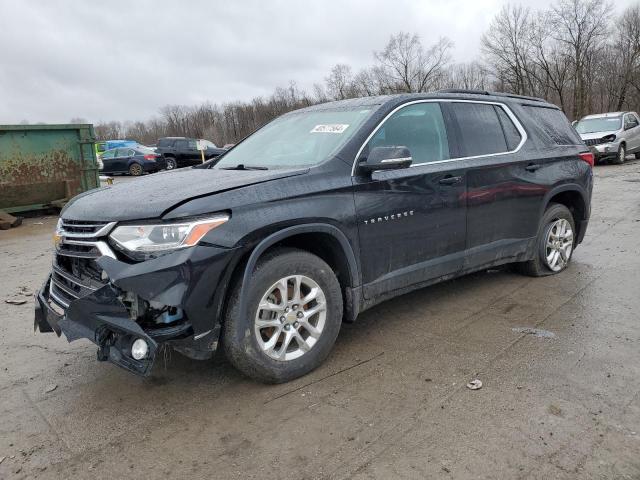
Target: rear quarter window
555,124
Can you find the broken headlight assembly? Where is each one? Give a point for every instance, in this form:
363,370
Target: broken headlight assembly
141,242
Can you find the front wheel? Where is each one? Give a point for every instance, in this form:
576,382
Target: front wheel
291,319
621,156
555,243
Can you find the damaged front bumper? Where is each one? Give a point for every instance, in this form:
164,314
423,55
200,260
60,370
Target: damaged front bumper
193,280
102,318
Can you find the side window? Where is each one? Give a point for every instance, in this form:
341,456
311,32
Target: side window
130,152
511,133
419,127
193,144
631,121
181,144
109,154
480,129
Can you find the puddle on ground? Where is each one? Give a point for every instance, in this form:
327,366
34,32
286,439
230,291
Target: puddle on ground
535,332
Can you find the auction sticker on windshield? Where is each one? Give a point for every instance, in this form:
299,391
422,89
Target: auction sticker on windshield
330,128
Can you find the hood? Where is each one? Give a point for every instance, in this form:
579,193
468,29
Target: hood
596,135
153,195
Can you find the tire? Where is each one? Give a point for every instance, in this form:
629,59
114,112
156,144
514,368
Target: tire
621,156
171,163
638,156
136,169
258,349
554,217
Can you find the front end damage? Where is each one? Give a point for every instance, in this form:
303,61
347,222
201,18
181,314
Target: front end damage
173,300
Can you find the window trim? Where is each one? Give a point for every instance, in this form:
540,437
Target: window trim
510,114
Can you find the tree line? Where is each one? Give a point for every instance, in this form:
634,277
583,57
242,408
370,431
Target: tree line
575,53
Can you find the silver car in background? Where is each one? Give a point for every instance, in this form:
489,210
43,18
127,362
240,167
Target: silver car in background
611,136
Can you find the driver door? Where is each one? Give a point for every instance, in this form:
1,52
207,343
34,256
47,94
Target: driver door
411,221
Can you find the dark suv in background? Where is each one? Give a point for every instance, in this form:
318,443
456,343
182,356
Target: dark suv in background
183,152
317,216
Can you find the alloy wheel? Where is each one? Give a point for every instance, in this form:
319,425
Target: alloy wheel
171,164
559,245
290,318
135,170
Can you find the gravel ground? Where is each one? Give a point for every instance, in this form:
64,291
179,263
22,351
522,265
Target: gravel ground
562,401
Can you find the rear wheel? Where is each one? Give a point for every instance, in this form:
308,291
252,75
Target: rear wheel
621,156
171,163
135,169
292,317
555,243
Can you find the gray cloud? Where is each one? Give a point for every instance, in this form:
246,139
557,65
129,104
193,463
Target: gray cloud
123,60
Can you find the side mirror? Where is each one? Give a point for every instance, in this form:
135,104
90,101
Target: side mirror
387,158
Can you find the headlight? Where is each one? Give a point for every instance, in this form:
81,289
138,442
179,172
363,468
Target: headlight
148,239
608,139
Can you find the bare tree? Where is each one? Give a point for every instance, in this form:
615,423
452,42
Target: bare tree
508,49
340,82
582,26
408,67
627,45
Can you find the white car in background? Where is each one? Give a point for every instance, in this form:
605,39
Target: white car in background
611,136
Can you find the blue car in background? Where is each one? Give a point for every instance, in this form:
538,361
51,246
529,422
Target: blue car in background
132,160
105,145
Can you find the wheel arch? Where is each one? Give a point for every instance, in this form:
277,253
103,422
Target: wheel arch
574,198
324,240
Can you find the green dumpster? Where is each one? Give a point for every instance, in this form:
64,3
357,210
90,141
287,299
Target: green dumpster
45,165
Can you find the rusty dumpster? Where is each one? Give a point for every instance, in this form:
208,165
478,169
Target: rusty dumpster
43,166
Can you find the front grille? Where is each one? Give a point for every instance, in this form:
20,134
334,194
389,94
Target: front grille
593,142
75,271
81,229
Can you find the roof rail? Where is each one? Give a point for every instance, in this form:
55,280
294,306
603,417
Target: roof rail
495,94
463,90
521,97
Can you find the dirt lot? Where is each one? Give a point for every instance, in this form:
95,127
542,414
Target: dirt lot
390,402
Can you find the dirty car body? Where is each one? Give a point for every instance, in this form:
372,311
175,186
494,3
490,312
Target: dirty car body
463,204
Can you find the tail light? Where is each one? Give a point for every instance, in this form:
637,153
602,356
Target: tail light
150,156
588,157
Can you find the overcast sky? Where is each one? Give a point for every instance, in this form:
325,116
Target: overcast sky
123,60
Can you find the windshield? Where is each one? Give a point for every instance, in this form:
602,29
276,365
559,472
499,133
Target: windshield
299,139
604,124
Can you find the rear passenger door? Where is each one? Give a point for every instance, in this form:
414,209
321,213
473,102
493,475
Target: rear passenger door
411,222
504,195
108,161
121,160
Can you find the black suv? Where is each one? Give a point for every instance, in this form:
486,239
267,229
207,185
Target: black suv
319,215
183,152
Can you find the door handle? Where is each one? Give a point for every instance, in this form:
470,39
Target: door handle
532,167
449,180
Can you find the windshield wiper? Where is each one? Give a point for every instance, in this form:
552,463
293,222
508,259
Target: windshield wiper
242,166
